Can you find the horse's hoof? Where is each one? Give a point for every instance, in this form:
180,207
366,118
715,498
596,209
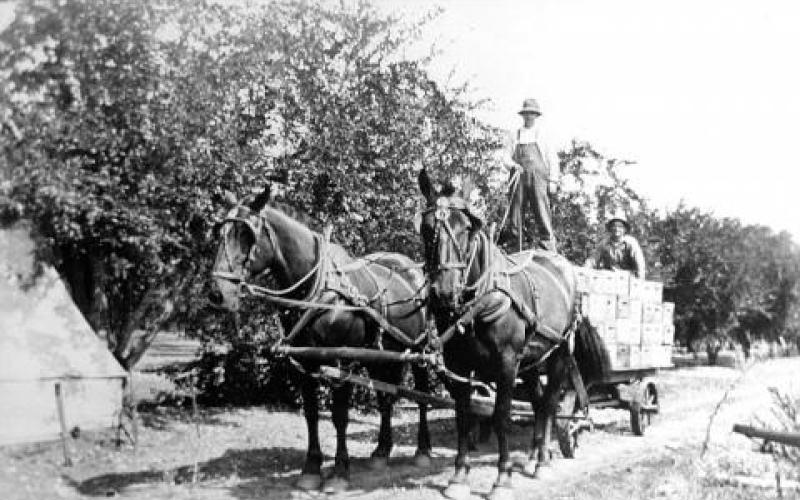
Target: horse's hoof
457,491
422,460
335,485
544,472
501,493
529,468
378,463
309,482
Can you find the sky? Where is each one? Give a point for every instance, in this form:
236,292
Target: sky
704,95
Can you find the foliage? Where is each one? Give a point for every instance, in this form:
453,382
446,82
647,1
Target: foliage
142,121
729,281
128,128
591,189
785,418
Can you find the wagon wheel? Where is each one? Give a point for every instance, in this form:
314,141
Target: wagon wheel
568,429
643,409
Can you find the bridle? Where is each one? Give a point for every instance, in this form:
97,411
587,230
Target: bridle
465,257
255,228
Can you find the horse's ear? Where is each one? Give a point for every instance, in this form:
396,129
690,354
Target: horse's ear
426,186
261,200
467,187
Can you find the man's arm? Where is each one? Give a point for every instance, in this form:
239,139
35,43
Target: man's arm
553,167
593,261
508,151
638,259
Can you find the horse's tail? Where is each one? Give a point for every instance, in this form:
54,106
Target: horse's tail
590,353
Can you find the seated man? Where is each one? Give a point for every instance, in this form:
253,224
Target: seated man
621,251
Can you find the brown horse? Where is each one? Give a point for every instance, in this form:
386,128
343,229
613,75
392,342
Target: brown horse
515,315
259,238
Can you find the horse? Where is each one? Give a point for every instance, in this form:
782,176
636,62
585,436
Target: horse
503,317
346,299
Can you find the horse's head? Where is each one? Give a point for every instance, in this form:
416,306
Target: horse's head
449,230
246,249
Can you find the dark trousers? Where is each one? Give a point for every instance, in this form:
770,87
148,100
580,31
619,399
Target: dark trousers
530,195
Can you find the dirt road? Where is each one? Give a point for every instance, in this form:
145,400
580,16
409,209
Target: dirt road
256,453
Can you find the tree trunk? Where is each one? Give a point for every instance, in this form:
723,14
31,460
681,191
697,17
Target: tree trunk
144,323
713,353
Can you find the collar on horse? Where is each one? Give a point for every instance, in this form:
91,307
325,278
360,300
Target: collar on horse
328,277
491,280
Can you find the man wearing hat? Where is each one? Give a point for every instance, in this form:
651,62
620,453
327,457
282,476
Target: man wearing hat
621,251
532,170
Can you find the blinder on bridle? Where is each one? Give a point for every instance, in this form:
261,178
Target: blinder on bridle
464,256
241,215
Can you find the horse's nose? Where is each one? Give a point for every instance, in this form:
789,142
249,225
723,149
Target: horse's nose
215,296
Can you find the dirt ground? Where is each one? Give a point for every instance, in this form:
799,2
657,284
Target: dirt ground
256,453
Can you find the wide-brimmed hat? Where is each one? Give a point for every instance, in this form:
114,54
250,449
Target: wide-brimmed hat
618,217
530,106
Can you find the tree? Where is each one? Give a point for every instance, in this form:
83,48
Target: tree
141,122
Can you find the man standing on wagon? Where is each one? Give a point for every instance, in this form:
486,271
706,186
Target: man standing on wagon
621,251
534,170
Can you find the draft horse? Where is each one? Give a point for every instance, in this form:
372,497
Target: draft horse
342,296
514,315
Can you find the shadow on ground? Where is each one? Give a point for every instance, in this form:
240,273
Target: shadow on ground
259,472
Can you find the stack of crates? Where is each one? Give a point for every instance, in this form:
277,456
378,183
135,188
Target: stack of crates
630,316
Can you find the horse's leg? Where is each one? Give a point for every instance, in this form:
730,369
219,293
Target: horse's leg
340,479
311,478
391,374
506,373
556,376
422,457
458,489
535,391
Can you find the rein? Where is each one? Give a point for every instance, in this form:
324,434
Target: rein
491,280
320,243
321,269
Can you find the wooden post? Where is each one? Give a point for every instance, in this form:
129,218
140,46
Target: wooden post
134,412
63,423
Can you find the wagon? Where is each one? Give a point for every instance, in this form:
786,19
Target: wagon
626,336
634,390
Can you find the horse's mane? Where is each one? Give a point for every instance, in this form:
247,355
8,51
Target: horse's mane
295,213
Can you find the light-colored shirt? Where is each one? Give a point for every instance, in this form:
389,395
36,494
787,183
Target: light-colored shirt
528,136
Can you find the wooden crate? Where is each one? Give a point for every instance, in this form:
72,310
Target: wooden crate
652,334
619,356
652,313
628,332
621,283
607,332
583,279
602,282
599,308
668,313
653,291
668,335
628,308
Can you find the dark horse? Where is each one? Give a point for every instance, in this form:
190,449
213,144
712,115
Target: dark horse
259,238
515,315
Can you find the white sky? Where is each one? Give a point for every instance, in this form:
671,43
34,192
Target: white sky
703,94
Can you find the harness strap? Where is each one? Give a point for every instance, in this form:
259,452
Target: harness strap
577,382
395,332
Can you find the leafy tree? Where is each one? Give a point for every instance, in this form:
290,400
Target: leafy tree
136,124
591,189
